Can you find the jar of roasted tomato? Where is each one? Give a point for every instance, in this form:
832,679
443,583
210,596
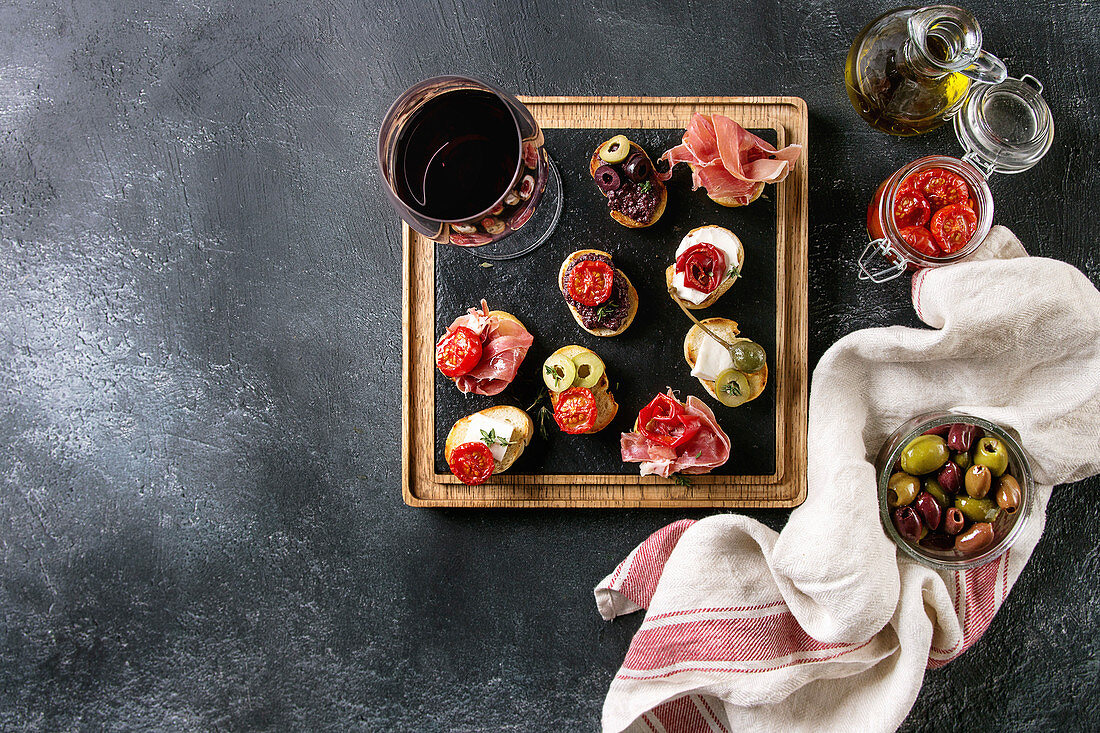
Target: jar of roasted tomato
938,209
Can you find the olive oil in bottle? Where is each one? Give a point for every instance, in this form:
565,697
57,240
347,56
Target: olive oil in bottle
909,70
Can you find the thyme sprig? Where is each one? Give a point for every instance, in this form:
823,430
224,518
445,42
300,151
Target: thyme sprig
490,437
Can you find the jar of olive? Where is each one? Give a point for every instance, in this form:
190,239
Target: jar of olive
954,490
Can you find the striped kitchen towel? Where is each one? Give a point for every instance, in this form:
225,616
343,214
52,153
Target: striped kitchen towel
825,626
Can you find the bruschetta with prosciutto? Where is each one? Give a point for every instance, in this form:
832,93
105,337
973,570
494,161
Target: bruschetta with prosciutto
670,437
482,350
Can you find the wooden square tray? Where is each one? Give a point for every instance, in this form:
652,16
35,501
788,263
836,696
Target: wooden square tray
422,486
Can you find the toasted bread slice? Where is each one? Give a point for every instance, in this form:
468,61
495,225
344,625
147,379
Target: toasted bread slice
732,202
631,294
606,406
523,431
728,331
662,192
723,286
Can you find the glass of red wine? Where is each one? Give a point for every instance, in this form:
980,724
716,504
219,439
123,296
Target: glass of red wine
464,164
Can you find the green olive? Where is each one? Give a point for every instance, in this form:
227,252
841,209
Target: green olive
924,454
932,486
992,453
903,488
962,458
589,369
748,356
558,372
732,388
615,150
976,510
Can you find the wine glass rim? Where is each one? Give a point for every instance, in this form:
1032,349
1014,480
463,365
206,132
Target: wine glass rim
477,84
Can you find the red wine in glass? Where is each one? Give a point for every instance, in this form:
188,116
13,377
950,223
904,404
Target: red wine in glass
457,155
464,164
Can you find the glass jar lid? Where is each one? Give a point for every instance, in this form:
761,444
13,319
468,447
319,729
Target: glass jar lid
1005,127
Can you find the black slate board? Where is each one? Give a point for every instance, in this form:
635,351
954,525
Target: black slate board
648,357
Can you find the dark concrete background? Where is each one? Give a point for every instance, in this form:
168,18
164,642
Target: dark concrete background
200,519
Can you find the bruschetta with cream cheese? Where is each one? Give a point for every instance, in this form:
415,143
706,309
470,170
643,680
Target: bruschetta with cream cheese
487,443
731,378
708,261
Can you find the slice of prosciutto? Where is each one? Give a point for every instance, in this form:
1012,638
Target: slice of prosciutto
728,161
705,450
504,344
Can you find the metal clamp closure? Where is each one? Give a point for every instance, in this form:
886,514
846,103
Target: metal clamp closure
874,249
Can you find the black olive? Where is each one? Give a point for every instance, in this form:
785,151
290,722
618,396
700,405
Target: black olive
607,179
637,168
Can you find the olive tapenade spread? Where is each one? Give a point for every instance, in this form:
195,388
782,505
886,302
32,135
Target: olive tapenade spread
611,314
638,201
629,186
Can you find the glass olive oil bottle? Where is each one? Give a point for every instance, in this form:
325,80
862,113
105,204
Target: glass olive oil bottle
909,70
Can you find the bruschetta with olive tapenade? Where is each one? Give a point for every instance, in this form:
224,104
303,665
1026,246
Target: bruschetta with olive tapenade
600,296
636,197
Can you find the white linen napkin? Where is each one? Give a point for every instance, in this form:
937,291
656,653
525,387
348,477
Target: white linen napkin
826,625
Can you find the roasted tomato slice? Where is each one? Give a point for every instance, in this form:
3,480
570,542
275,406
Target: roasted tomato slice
576,410
458,352
663,420
911,209
471,463
953,226
704,267
920,239
940,186
590,282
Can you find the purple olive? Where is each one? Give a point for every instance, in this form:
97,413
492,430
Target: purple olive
940,430
607,178
908,523
950,477
938,541
953,521
637,168
929,509
962,436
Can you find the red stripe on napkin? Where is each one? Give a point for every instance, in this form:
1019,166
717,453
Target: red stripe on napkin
681,714
636,577
980,602
766,638
793,663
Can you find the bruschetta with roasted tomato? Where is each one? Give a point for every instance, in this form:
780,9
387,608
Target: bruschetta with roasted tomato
708,261
600,296
580,392
482,350
734,375
487,443
636,196
671,436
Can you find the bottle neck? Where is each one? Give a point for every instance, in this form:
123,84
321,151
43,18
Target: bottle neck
917,60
